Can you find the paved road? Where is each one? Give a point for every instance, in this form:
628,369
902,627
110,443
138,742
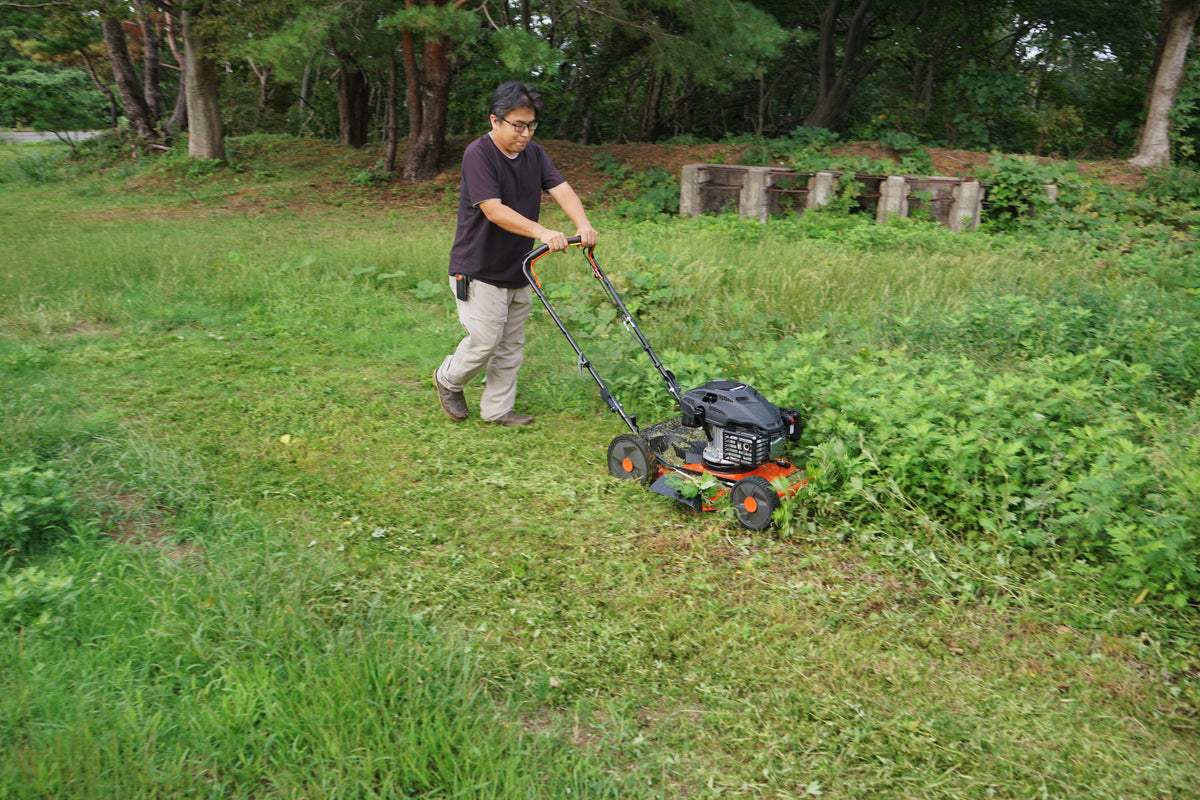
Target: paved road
21,137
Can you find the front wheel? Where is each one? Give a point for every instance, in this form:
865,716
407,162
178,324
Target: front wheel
754,502
629,459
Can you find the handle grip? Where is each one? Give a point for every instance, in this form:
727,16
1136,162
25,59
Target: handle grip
541,249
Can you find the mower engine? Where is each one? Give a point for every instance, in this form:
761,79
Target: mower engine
744,429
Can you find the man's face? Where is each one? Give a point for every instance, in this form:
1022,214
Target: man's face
506,136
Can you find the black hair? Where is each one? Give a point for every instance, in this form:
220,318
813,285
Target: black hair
513,95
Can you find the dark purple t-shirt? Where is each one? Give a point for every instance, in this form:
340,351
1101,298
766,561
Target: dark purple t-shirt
481,248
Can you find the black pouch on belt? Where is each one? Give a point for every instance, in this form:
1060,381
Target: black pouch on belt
461,284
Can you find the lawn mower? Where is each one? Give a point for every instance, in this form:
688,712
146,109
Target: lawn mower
726,430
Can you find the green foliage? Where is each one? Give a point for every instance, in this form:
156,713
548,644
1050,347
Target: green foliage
1173,184
525,53
918,162
1135,323
988,99
645,194
1185,117
1063,131
802,145
445,19
35,506
712,42
899,141
40,166
59,100
30,598
367,177
1016,186
1034,468
1145,233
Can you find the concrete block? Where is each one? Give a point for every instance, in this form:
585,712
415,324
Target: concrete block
824,184
752,201
893,198
967,207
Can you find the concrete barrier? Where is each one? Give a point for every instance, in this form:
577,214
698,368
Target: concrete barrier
762,192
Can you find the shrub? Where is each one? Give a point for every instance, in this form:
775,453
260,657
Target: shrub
1169,184
801,145
1051,465
55,100
35,505
1044,466
1016,186
1137,323
648,193
38,168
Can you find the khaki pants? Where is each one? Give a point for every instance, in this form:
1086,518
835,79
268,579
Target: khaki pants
494,319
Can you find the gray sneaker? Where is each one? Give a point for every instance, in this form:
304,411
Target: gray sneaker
512,419
453,403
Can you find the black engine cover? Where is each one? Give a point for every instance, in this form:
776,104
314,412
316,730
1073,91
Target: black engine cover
730,404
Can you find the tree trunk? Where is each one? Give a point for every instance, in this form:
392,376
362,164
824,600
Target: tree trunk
206,135
133,102
842,67
179,119
390,127
179,116
650,118
1174,36
353,94
428,96
151,61
263,74
838,77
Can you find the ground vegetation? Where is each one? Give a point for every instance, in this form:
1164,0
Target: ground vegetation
245,554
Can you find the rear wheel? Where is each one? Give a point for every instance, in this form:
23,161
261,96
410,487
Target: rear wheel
754,502
629,459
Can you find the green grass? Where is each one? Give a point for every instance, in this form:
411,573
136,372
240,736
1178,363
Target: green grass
292,576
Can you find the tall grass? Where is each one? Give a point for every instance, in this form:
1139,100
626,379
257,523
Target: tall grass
810,271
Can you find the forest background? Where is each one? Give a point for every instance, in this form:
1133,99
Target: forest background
1043,77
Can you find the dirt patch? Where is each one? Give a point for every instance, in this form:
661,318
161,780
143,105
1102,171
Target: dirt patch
136,520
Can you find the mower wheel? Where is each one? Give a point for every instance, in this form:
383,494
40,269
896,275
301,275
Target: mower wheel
629,459
754,502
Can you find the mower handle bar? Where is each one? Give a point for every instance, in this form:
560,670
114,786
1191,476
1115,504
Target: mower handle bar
627,318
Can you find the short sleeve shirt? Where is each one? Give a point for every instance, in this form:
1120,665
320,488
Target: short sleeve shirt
481,248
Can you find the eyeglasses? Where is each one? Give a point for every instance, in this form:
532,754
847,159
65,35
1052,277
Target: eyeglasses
521,127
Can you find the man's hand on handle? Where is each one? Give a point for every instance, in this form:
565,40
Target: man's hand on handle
556,241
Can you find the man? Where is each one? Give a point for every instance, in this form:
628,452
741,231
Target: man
503,176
